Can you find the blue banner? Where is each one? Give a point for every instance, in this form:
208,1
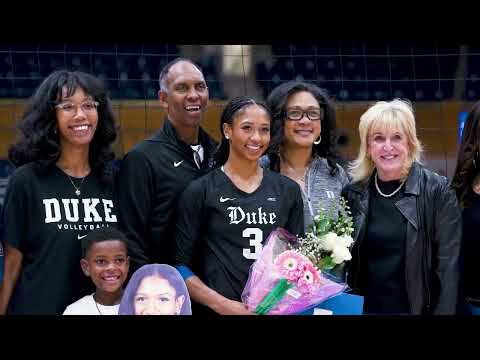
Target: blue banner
342,304
462,118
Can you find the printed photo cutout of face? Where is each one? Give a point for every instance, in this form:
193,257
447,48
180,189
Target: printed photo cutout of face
156,289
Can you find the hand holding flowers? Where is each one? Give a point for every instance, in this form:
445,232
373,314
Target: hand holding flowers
293,274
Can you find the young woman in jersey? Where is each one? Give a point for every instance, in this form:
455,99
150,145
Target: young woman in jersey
225,216
303,145
62,188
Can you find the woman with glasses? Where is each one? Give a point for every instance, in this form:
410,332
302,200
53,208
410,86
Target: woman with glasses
61,189
303,145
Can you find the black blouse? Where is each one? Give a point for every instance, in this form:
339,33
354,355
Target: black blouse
382,253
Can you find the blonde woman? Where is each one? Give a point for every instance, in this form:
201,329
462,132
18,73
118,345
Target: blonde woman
407,222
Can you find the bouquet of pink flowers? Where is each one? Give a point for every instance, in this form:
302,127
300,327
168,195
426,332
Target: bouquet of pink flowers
293,274
283,281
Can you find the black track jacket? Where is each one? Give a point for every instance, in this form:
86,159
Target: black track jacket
152,176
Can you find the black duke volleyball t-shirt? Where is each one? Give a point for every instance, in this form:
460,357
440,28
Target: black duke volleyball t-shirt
45,219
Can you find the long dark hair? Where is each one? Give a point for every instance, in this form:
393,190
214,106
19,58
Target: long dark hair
40,141
233,108
163,271
277,102
468,161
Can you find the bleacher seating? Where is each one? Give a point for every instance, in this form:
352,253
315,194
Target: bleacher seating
367,72
347,71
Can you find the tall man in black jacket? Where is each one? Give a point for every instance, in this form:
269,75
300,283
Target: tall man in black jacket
155,172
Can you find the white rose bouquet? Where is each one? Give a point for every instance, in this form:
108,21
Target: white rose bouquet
329,240
294,273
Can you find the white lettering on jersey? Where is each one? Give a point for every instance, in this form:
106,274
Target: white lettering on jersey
272,218
238,215
262,217
330,194
66,206
89,207
107,208
52,216
251,218
256,242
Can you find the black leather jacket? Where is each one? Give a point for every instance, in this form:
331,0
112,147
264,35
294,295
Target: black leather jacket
434,233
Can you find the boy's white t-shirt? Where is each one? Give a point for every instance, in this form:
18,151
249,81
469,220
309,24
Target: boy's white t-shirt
86,306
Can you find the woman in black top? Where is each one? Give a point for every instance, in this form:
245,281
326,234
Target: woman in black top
61,189
225,216
406,219
466,182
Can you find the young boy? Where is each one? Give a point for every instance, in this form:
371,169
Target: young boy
106,262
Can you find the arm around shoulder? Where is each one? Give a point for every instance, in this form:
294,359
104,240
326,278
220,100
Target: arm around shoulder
190,216
135,193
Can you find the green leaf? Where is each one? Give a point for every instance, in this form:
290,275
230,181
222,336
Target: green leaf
326,263
323,226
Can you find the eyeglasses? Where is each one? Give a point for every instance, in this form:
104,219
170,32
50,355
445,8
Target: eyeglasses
87,107
298,114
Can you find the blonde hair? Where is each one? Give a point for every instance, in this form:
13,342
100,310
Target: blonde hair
395,114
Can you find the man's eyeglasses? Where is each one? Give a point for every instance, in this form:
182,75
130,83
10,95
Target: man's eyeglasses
298,114
70,108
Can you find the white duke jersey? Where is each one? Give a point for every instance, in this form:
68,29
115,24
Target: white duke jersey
220,229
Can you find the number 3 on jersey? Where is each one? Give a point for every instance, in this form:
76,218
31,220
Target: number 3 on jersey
255,241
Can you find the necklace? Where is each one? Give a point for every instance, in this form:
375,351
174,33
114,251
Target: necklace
96,305
77,189
389,195
290,172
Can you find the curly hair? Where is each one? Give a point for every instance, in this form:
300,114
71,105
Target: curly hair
277,102
468,161
39,141
102,234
